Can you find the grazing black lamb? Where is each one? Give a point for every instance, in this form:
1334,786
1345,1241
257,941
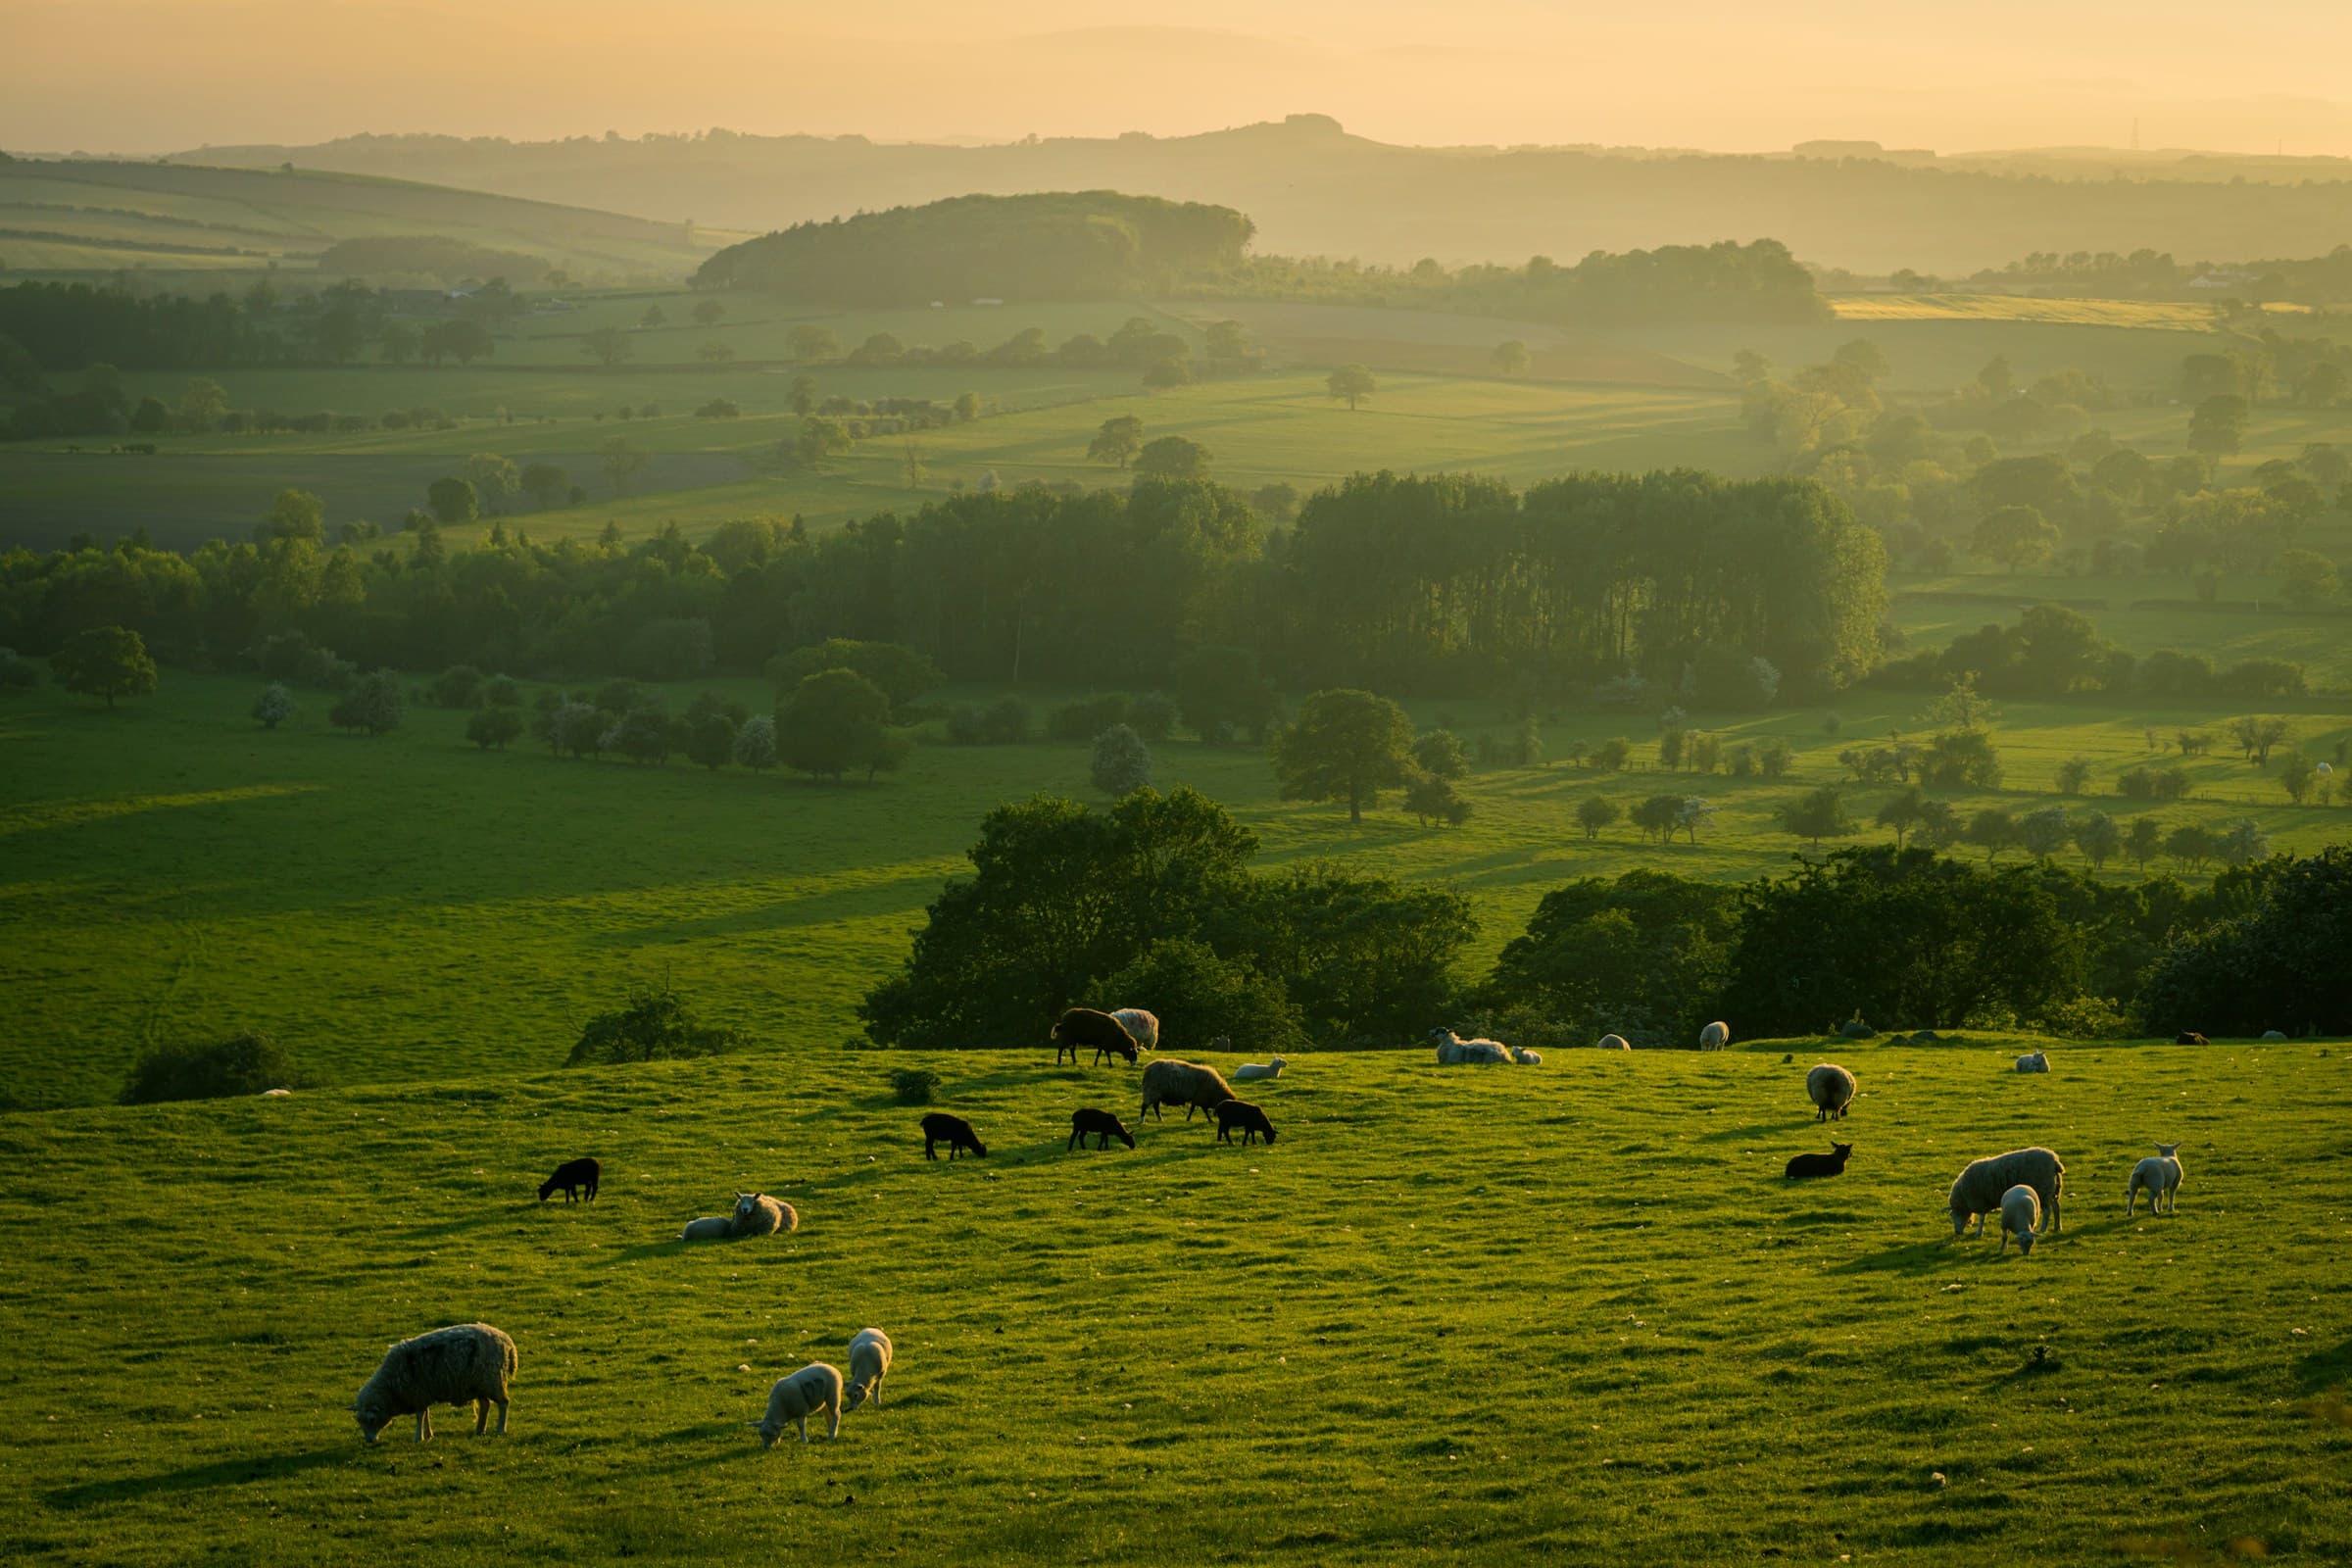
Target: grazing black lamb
1232,1113
1081,1027
1102,1124
1831,1163
570,1177
954,1131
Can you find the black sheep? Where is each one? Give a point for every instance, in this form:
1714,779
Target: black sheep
1081,1027
954,1131
1232,1113
570,1176
1100,1122
1831,1163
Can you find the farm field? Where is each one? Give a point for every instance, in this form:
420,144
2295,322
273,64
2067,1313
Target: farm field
1568,1311
408,907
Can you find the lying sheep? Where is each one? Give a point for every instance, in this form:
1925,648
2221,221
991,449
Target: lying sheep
1526,1057
1614,1043
1249,1072
570,1177
2034,1061
753,1214
1830,1088
469,1364
2021,1217
1101,1124
710,1228
1232,1113
1169,1082
1715,1036
1978,1189
2160,1176
1831,1163
1081,1027
1455,1051
954,1131
813,1388
869,1363
1142,1027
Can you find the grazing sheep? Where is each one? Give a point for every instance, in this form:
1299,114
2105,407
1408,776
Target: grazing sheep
2034,1061
757,1214
1526,1057
1251,1120
570,1176
2159,1175
1831,1163
1249,1072
2021,1216
1615,1043
2189,1037
1081,1027
469,1364
1976,1191
1455,1051
2273,1037
1142,1027
1169,1082
1830,1088
1100,1123
869,1363
954,1131
813,1388
1715,1036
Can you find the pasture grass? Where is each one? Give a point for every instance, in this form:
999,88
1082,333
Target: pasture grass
1570,1312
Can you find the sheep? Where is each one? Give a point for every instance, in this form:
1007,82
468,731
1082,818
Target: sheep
1081,1027
1830,1088
2189,1037
1170,1082
1976,1191
1251,1120
757,1214
710,1228
954,1131
471,1363
1249,1072
2159,1175
1455,1051
1831,1163
869,1363
277,1094
1526,1057
2034,1061
1102,1124
2021,1215
2273,1037
1142,1027
813,1388
570,1176
1715,1036
1614,1043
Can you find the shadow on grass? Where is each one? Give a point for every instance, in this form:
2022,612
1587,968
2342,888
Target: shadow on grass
2322,1370
666,1248
200,1478
1912,1257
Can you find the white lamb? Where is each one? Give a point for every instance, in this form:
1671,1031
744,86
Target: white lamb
813,1388
1250,1072
2021,1216
1526,1057
1715,1036
2159,1175
869,1363
2037,1061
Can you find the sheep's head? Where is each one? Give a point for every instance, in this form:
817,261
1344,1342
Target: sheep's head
2169,1150
745,1204
1842,1151
769,1431
2025,1242
1961,1214
372,1415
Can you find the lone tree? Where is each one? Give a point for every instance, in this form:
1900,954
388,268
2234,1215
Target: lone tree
707,313
274,706
1351,383
1344,745
1511,358
107,661
620,459
607,346
1427,796
494,727
1118,441
376,704
1818,814
1594,812
1173,456
453,500
836,720
1122,762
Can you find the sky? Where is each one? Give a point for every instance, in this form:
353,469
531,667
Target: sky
156,75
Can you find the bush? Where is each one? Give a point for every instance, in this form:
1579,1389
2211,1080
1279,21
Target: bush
502,691
242,1064
376,704
656,1026
494,726
1122,763
719,409
914,1086
274,707
1439,753
458,686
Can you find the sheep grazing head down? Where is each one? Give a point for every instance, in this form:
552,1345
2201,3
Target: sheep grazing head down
373,1416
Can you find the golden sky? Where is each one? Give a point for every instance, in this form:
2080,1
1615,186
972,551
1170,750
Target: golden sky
141,76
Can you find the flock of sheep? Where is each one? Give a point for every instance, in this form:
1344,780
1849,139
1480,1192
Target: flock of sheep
474,1363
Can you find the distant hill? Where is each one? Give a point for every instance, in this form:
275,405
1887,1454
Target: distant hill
88,217
1063,246
1314,189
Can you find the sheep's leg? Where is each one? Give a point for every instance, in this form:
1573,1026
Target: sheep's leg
501,1418
1072,1144
927,1154
482,1416
802,1421
424,1426
877,1392
833,1428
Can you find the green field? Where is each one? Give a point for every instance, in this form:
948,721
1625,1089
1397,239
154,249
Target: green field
1568,1311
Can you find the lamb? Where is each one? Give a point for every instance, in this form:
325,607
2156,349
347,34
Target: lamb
471,1363
1170,1082
2036,1061
813,1388
570,1176
869,1363
954,1131
1614,1043
1100,1123
1251,1120
1526,1057
2021,1215
1830,1088
1081,1027
1715,1036
1142,1027
1455,1051
1831,1163
710,1228
1978,1189
753,1214
2159,1175
1250,1072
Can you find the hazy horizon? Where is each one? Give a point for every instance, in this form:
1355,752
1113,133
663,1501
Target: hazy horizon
146,76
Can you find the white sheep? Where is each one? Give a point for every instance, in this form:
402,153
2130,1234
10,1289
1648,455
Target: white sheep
813,1388
1455,1051
753,1214
2160,1176
1715,1036
2273,1037
1249,1072
2036,1061
1142,1027
1614,1043
710,1228
1526,1057
471,1363
2021,1216
275,1093
869,1363
1830,1088
1979,1187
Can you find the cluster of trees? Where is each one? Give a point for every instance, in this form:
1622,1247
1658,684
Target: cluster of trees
2154,275
2054,651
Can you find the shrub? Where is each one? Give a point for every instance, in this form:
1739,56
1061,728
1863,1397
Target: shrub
458,686
1122,763
376,704
756,744
494,726
274,707
719,409
1428,796
1439,755
502,691
242,1064
657,1025
914,1086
